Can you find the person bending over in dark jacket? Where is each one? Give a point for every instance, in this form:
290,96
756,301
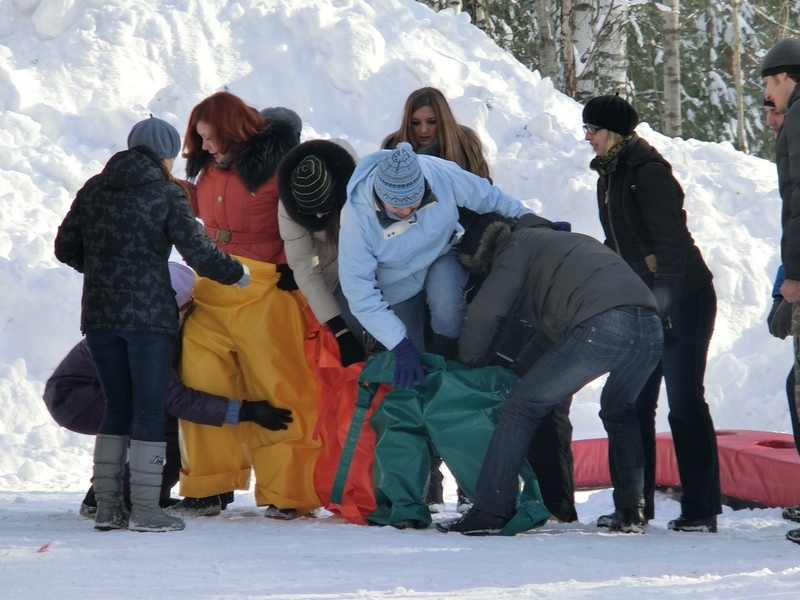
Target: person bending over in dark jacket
600,317
75,399
641,209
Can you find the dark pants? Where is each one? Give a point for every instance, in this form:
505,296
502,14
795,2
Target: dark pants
134,371
793,409
352,323
625,342
550,457
682,366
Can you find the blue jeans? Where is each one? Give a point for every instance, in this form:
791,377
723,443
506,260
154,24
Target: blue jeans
683,367
625,342
134,369
444,293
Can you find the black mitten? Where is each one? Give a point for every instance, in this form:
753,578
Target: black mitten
350,351
286,281
780,319
667,290
266,415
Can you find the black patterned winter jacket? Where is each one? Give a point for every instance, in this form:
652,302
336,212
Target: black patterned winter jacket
119,233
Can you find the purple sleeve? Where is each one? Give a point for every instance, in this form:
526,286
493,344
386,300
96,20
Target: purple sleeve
193,405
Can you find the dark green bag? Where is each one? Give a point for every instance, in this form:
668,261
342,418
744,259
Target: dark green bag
457,411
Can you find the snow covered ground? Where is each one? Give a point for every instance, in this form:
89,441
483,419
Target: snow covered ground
75,75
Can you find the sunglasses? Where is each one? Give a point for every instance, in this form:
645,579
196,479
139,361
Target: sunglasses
591,129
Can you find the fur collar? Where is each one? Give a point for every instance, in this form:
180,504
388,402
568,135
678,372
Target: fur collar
258,160
339,162
477,254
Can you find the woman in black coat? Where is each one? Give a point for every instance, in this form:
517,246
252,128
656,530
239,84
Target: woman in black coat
119,233
641,210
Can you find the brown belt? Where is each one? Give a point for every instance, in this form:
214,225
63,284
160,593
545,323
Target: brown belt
226,236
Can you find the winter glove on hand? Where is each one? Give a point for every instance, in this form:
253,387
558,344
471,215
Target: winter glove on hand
562,226
407,366
266,415
245,280
780,319
350,351
667,291
286,281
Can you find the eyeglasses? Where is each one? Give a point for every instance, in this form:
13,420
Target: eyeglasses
592,129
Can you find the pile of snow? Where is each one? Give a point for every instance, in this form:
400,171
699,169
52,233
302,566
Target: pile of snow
75,75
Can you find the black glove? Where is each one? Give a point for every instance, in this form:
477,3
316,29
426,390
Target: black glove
264,414
667,291
780,318
350,351
286,281
407,365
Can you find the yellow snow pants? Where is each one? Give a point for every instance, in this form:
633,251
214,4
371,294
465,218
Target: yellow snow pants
248,345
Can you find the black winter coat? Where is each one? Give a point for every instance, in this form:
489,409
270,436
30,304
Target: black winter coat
119,233
787,157
641,210
75,399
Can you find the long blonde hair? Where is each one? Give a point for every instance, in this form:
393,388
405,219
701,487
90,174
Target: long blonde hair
457,143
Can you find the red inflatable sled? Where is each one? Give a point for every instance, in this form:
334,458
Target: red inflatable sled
756,466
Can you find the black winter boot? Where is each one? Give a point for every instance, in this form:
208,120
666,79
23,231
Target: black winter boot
792,513
109,466
464,503
475,522
209,506
704,524
628,520
89,505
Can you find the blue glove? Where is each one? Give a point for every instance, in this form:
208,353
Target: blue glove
407,366
562,225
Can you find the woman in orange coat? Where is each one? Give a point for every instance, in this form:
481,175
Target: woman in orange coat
246,343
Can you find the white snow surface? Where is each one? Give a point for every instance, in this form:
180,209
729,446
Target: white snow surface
75,75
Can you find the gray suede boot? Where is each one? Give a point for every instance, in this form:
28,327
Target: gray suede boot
146,465
109,466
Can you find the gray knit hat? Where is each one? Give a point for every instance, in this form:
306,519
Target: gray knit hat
399,181
280,114
312,183
783,57
161,137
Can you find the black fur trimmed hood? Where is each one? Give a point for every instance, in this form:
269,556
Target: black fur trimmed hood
259,159
339,162
477,248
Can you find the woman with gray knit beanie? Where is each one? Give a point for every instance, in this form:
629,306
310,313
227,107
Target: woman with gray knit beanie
119,233
641,210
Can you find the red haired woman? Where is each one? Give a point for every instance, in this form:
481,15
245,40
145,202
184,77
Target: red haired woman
246,344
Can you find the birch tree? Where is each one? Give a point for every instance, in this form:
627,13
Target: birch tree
548,56
672,69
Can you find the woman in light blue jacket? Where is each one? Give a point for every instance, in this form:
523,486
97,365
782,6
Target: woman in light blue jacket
398,230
